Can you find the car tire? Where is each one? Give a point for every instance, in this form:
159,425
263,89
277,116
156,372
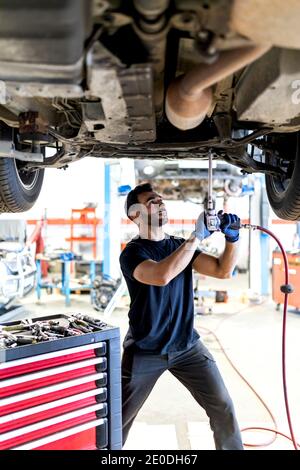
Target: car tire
284,195
18,190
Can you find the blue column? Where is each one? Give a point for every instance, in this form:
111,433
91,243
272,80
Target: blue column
264,240
106,221
92,278
38,278
66,281
265,272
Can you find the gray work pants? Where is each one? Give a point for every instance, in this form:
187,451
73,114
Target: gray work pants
197,371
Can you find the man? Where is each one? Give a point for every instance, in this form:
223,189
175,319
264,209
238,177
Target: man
158,272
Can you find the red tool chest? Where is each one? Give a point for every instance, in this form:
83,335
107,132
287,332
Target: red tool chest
278,278
62,394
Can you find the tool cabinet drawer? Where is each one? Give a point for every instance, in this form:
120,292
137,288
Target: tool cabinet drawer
54,359
43,395
46,427
89,436
51,376
48,410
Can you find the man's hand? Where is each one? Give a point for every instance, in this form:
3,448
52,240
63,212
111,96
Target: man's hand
201,230
229,225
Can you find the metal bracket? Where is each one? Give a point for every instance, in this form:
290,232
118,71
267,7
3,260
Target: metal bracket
7,150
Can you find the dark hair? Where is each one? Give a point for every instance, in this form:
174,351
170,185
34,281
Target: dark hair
132,197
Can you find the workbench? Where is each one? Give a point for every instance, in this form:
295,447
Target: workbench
65,285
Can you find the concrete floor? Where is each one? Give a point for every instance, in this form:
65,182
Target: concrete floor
250,335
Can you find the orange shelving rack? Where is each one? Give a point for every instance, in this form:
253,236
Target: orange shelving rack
87,217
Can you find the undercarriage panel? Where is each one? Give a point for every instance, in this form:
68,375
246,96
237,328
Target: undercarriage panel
39,39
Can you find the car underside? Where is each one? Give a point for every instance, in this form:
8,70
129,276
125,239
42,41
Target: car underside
160,79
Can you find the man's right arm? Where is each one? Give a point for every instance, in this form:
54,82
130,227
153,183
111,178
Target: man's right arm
160,273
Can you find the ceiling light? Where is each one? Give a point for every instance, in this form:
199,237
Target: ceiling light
149,170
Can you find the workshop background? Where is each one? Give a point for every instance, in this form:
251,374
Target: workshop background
74,235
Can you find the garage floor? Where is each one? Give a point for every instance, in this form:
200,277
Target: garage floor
250,335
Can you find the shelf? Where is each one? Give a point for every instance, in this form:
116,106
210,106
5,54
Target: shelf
81,239
84,219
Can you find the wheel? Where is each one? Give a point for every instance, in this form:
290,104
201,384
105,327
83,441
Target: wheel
18,189
284,192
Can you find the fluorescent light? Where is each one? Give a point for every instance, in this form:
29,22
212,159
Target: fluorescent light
148,170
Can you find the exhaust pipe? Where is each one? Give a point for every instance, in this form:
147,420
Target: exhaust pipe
190,96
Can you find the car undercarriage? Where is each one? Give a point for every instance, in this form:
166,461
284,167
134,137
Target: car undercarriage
149,80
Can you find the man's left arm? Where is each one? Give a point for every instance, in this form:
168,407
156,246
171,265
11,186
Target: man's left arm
223,266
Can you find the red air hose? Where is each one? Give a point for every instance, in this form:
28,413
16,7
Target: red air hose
286,289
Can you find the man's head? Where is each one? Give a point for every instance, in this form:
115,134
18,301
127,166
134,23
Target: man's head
145,207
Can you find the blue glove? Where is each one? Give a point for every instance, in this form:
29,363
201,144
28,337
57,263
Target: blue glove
227,221
201,230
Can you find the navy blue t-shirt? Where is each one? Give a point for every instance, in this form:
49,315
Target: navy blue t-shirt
160,317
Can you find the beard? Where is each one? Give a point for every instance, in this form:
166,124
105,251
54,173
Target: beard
158,219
